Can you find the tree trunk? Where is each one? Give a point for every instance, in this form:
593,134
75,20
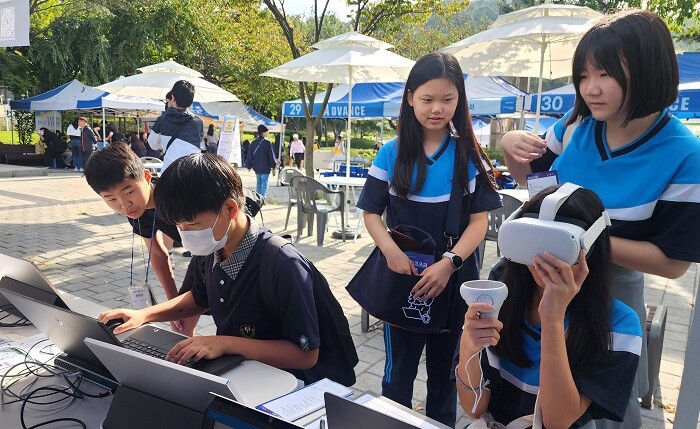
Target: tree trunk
309,155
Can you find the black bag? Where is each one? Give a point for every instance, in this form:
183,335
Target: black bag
387,296
337,355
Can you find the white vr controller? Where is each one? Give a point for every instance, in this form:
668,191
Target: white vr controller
486,291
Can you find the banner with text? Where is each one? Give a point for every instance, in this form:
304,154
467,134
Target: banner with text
230,140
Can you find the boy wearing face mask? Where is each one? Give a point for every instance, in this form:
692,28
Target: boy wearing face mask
117,174
203,196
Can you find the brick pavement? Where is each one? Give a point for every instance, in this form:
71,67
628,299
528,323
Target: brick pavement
83,247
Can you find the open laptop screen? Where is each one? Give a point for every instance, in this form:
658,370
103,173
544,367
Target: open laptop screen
224,413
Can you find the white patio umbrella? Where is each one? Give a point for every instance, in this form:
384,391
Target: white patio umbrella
170,66
535,42
348,58
156,84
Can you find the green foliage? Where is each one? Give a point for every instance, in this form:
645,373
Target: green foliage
362,143
494,154
25,126
16,72
7,137
368,154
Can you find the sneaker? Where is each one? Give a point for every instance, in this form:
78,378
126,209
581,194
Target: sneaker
187,254
80,169
76,169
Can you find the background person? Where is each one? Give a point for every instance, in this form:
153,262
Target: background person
88,140
177,132
261,159
296,150
410,179
625,146
75,140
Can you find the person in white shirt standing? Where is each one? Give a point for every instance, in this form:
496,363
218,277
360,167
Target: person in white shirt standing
296,150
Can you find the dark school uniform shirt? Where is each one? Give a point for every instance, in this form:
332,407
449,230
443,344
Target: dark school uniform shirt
650,186
427,209
514,389
143,226
230,289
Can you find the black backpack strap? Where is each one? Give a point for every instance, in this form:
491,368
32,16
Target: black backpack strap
454,207
267,262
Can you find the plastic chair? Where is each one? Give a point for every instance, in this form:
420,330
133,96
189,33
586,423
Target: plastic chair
286,175
293,196
496,218
655,326
308,191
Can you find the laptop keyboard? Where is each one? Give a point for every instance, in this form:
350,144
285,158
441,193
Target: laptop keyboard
145,348
148,349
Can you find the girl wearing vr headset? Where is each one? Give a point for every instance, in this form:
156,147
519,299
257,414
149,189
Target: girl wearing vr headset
411,178
560,340
621,141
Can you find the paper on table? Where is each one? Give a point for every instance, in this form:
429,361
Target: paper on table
303,401
376,404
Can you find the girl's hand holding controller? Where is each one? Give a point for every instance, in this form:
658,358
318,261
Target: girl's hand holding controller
561,283
478,332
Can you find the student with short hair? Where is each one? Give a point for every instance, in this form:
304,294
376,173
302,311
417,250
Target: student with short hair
214,227
261,158
118,176
621,141
177,131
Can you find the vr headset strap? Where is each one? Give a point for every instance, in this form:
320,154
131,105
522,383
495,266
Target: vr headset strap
454,208
552,202
590,236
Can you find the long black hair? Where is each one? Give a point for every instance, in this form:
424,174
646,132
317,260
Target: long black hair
588,334
438,65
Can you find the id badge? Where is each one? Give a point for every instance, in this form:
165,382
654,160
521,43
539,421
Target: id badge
539,181
140,296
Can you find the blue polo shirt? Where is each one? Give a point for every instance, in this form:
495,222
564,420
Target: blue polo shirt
238,308
650,186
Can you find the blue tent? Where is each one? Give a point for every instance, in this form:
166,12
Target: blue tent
487,96
249,117
561,100
73,95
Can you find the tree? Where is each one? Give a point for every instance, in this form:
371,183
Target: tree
369,16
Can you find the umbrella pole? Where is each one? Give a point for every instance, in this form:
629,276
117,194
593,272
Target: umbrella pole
339,234
539,87
104,133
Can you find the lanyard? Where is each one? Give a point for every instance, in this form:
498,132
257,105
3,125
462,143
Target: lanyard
150,249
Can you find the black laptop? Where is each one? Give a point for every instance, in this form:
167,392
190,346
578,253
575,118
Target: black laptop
224,413
68,330
343,413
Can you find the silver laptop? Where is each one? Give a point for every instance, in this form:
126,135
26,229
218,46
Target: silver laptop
223,413
157,377
24,277
68,330
343,413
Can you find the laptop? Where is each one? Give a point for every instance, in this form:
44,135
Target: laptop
343,413
157,377
223,413
24,277
68,330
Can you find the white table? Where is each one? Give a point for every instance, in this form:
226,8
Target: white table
153,167
353,183
520,194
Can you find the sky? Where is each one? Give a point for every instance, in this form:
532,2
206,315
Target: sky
303,7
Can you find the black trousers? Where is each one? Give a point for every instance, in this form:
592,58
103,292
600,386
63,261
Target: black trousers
403,352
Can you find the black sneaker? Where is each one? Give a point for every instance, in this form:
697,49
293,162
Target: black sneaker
187,254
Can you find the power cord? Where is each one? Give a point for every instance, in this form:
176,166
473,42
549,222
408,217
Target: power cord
21,320
53,394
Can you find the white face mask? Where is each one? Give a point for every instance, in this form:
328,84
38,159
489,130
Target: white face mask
202,242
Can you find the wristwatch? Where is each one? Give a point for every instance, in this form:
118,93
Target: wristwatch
456,260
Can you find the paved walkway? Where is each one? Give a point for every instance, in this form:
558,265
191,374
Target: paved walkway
83,247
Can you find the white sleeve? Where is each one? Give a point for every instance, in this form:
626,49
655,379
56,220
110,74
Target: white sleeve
154,140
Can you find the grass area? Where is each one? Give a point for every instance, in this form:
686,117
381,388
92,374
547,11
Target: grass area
6,137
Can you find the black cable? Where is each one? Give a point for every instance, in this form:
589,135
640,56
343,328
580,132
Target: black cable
62,419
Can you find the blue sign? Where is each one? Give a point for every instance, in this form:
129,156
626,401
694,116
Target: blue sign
553,103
